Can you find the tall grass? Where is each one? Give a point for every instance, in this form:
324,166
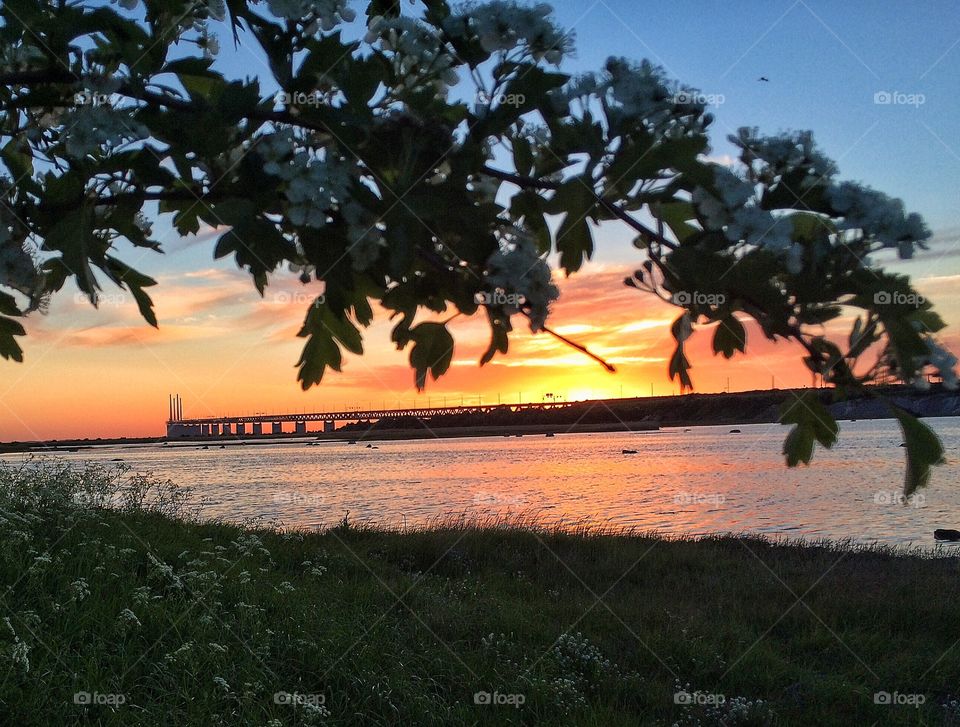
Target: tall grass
120,606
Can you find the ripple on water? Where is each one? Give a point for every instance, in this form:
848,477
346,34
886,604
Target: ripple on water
730,482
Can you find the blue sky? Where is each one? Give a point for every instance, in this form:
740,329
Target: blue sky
825,62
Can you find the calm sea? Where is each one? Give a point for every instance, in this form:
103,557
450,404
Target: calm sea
680,481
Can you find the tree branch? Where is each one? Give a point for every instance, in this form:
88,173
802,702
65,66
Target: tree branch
617,211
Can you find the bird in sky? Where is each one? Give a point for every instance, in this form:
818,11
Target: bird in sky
764,78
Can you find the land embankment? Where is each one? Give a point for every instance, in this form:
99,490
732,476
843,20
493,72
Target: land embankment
134,615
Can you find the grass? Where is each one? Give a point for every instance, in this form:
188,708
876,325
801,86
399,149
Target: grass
138,613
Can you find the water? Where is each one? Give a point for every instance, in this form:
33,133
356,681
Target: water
691,482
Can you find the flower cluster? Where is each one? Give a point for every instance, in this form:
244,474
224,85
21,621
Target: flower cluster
417,52
784,154
727,208
313,186
90,129
19,655
323,14
502,26
524,276
877,216
638,94
19,57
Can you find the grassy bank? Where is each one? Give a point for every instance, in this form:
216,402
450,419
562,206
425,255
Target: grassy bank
129,615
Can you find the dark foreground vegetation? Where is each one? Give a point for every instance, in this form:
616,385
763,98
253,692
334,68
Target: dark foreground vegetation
138,614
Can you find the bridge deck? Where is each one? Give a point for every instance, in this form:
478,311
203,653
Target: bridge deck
358,414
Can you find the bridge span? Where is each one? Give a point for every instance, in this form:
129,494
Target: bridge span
179,427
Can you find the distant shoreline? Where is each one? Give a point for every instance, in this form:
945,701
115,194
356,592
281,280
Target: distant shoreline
369,435
611,415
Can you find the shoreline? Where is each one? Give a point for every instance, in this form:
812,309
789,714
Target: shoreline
517,606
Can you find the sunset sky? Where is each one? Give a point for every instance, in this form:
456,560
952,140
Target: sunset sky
227,351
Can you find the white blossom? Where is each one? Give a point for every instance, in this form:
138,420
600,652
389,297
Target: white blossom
326,14
415,50
519,270
503,26
128,618
89,129
785,152
79,589
877,215
757,226
731,210
19,57
313,186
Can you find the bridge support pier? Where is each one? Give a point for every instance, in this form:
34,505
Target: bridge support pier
300,428
241,428
329,426
257,428
277,427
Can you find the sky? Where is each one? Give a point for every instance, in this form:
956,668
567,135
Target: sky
105,373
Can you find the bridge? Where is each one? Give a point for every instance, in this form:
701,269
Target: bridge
179,427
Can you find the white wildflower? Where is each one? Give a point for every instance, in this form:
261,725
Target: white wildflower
19,651
79,589
128,619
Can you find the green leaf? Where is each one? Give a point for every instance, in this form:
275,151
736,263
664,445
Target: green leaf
325,328
574,242
432,350
676,215
730,337
814,423
574,238
924,450
125,276
679,368
798,446
9,348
